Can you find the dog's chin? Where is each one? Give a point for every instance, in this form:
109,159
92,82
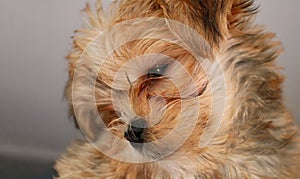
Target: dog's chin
129,152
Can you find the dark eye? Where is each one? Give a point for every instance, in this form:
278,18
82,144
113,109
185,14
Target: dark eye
157,71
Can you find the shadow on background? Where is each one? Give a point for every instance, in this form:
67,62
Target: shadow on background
18,168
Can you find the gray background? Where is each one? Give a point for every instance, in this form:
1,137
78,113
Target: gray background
34,40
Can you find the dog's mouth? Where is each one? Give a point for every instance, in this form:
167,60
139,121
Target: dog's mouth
135,132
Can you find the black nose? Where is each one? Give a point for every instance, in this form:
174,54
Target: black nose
135,131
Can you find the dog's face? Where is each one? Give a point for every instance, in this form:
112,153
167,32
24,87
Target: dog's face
152,94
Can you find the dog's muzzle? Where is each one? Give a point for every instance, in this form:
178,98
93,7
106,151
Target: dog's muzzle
135,132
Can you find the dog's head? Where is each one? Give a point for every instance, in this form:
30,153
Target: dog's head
150,80
148,86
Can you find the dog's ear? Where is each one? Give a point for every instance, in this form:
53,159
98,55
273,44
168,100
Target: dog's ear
212,15
241,13
213,19
219,17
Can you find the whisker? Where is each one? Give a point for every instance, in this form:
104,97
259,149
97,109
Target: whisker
110,124
128,79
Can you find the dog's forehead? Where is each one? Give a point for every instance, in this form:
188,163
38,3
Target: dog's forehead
132,55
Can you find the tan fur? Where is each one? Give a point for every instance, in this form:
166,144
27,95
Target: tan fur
257,137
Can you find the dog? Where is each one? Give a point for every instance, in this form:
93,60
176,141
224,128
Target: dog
178,89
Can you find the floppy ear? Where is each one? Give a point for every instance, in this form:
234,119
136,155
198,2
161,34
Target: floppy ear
218,17
241,13
213,19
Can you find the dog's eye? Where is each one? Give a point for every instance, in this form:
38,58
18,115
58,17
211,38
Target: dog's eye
157,71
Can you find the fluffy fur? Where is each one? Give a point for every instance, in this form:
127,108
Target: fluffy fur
257,137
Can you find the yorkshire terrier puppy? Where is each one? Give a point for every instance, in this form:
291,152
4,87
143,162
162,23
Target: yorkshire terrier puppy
178,89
